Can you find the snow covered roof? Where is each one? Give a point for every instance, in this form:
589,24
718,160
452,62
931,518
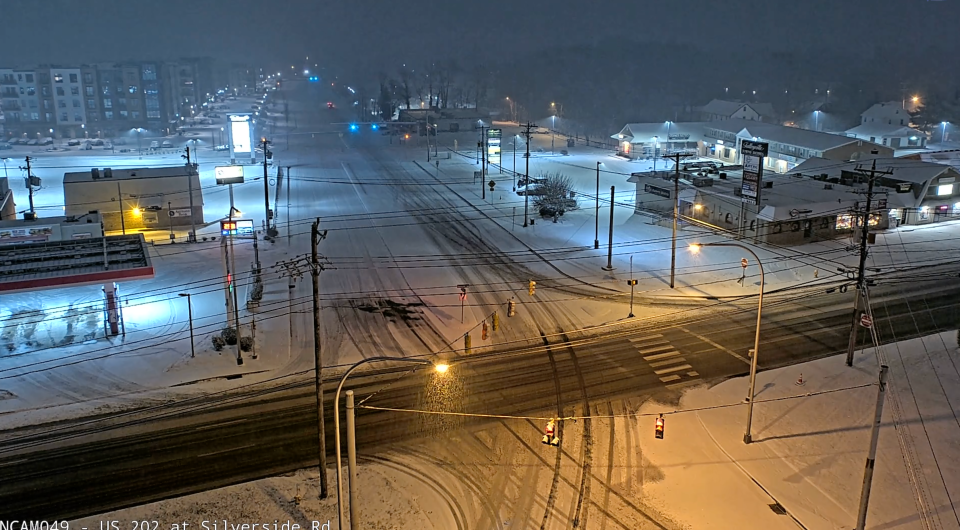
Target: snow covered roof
722,107
129,174
880,130
885,106
819,141
763,109
904,169
639,133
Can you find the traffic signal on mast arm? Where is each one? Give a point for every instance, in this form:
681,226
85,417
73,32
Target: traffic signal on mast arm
483,331
511,308
659,428
532,287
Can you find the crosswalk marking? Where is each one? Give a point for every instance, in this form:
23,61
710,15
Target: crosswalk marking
673,369
656,349
668,362
667,379
689,382
693,374
657,356
643,339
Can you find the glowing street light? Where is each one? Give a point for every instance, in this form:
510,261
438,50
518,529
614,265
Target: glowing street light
439,367
747,437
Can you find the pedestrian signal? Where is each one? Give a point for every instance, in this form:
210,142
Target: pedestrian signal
550,434
532,287
659,428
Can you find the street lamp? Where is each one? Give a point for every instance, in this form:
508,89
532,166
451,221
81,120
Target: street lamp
943,131
553,131
816,122
440,367
190,317
656,154
515,139
747,438
139,148
669,124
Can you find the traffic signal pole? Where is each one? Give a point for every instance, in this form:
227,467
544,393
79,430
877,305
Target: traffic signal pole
266,190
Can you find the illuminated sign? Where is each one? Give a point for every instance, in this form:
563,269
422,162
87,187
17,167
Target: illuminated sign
237,227
493,145
240,136
753,154
228,174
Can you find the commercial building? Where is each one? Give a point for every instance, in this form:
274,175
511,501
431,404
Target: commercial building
44,229
137,199
645,140
895,136
915,192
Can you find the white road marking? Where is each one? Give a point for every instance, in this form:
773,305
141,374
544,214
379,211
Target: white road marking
667,379
668,362
642,339
656,349
693,374
225,451
13,462
673,353
674,369
690,382
715,345
215,425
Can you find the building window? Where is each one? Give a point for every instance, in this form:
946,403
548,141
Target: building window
135,114
29,78
945,189
73,78
122,102
74,91
33,103
108,115
88,90
58,78
88,78
63,116
35,116
91,103
77,117
134,103
46,104
76,103
913,140
123,114
105,90
61,104
31,91
47,116
60,91
153,114
108,103
45,90
132,89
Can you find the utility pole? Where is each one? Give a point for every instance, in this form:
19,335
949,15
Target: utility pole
596,220
864,234
266,189
193,224
609,266
123,226
482,145
676,213
526,174
33,213
872,454
288,205
315,269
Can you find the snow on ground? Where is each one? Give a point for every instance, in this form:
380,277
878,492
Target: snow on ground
809,452
389,498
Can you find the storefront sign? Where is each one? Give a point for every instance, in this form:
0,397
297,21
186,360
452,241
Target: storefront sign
237,228
228,174
493,145
656,190
678,137
753,154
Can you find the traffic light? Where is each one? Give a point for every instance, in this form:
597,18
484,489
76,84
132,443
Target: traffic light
550,434
230,282
483,331
511,308
466,343
496,321
659,429
532,287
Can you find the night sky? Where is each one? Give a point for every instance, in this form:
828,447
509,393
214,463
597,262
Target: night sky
366,34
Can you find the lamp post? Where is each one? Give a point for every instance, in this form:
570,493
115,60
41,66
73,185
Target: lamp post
669,124
515,138
139,148
351,436
553,132
747,438
816,120
190,317
656,155
943,132
596,224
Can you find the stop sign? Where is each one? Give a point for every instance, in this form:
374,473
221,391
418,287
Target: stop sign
865,320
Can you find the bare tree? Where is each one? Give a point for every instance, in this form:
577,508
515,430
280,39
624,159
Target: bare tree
554,194
404,89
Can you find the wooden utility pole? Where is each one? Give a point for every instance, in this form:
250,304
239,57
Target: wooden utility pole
864,235
315,268
526,173
676,212
266,189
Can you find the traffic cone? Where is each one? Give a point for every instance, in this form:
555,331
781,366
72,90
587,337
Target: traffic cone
800,380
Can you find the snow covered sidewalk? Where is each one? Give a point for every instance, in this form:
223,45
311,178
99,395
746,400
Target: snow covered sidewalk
809,452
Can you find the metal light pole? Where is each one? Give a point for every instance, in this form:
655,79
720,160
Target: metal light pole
517,137
816,120
747,438
609,266
190,316
139,148
656,155
553,132
596,224
943,133
354,507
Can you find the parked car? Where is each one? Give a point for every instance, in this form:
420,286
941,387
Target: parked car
522,181
73,142
46,140
166,144
5,145
32,141
154,144
532,189
542,130
86,146
97,142
108,145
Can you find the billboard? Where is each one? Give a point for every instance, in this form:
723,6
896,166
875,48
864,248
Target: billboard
241,135
494,137
752,154
237,227
228,174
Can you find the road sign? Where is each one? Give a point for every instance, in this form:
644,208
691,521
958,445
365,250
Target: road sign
866,321
228,174
743,263
491,184
631,282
